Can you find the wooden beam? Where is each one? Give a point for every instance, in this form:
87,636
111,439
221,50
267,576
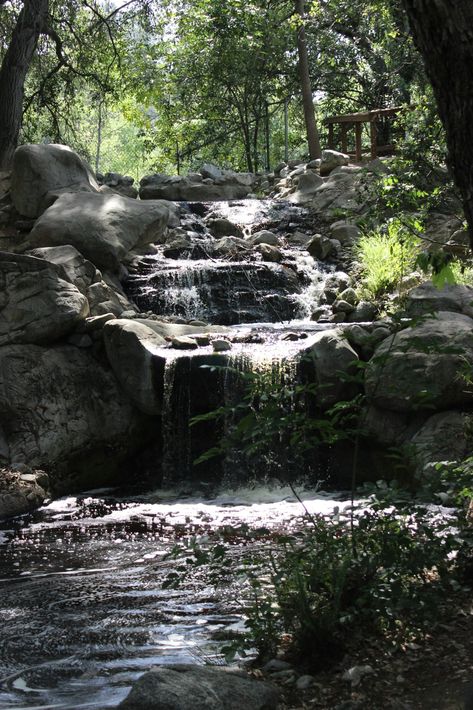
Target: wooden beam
364,116
358,141
331,144
374,136
344,138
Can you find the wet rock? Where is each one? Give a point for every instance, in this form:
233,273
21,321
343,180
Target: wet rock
182,342
21,493
40,171
349,295
320,247
172,686
322,313
304,682
265,237
269,253
341,306
338,281
277,664
61,409
221,346
220,227
327,356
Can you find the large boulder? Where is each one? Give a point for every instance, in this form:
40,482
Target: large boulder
332,159
184,189
421,367
79,271
326,360
20,493
41,171
180,687
60,410
307,184
445,436
104,228
135,353
427,298
37,302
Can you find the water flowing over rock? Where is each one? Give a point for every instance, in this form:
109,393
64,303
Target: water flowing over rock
172,686
103,228
42,172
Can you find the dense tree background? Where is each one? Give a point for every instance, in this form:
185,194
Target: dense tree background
143,85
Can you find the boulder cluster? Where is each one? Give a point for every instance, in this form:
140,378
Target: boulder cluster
82,367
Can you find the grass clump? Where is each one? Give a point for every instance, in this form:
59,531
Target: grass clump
386,256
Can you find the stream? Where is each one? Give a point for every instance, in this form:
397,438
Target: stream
82,607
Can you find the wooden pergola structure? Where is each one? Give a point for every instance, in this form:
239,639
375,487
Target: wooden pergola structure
357,120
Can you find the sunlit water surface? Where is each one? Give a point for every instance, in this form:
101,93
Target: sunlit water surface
82,608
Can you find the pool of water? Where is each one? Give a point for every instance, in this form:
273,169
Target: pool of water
83,611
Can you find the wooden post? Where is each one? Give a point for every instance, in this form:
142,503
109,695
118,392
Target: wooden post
330,136
374,136
286,131
344,138
358,127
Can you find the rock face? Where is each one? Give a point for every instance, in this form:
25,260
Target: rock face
421,366
446,436
326,359
210,184
39,171
103,228
37,302
78,271
133,352
180,687
58,403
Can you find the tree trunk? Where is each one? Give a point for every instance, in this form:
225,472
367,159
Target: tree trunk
307,99
16,62
443,33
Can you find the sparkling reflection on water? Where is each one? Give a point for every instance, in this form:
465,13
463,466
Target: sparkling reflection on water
82,608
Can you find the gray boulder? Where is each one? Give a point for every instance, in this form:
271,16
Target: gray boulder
426,298
37,302
307,184
211,171
107,296
421,367
345,232
326,358
221,227
446,436
41,171
78,271
320,247
104,228
184,189
135,354
60,409
181,687
265,237
332,159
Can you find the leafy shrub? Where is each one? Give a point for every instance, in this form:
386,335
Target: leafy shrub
312,589
386,256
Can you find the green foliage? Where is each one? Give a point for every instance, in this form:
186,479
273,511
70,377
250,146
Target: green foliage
311,589
386,256
279,422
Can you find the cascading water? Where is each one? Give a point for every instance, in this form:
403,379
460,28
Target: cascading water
229,289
